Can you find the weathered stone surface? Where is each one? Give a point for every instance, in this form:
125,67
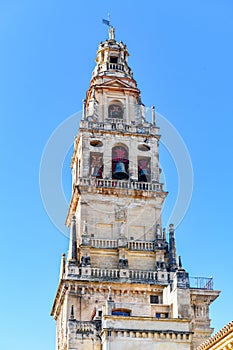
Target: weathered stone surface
122,286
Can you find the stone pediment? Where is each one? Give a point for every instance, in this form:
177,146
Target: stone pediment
116,83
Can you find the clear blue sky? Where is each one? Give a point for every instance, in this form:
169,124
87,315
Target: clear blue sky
181,55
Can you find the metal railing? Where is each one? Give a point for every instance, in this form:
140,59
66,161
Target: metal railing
201,282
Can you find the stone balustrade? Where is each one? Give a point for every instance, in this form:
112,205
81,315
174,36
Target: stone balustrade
84,327
111,183
143,275
156,334
113,243
104,243
110,273
141,245
113,274
119,125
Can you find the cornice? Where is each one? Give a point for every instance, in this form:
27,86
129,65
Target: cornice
217,337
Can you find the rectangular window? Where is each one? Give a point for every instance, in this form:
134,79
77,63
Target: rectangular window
154,299
161,314
113,59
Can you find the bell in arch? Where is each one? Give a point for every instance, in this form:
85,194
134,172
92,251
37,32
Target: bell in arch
120,172
143,175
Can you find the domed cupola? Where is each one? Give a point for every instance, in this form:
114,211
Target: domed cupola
112,58
113,94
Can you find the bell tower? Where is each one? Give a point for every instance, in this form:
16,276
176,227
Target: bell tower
122,285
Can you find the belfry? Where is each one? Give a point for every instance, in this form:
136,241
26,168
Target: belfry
122,285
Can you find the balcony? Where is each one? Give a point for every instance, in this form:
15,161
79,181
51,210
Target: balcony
83,328
113,124
115,66
131,245
141,245
111,274
104,243
120,184
201,283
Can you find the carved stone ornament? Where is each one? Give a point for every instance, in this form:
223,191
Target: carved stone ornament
120,214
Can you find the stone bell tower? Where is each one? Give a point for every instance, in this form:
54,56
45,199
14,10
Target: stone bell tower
122,285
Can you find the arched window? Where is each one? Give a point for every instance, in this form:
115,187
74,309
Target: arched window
115,110
144,169
96,164
120,162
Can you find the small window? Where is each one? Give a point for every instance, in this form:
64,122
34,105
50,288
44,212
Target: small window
161,315
121,312
154,299
113,59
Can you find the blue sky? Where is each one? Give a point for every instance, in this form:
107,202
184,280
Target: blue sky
181,55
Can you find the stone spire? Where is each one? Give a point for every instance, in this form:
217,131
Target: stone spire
153,114
63,265
172,249
73,242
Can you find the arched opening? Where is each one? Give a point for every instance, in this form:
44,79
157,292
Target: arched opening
115,110
144,169
120,162
96,164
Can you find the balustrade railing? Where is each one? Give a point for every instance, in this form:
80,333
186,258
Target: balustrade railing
141,245
118,124
84,327
115,66
143,275
110,273
113,243
111,183
115,274
104,243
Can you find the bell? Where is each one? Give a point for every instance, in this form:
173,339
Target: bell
120,172
143,175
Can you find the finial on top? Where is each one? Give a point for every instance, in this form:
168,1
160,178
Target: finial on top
111,31
180,262
171,228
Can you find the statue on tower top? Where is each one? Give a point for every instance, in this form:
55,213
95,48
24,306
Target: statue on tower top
111,31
